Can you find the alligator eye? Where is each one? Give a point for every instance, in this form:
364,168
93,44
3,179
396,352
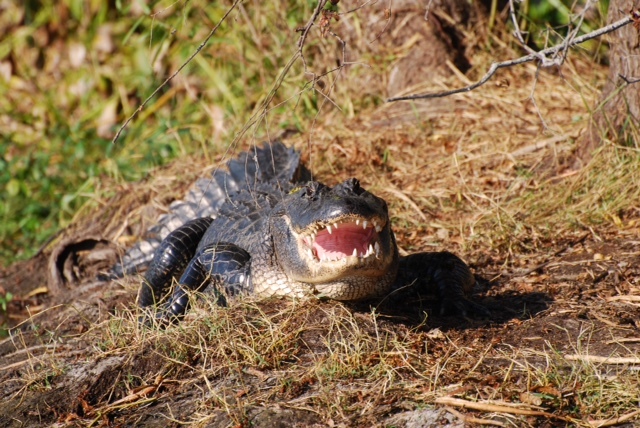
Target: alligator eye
309,191
312,190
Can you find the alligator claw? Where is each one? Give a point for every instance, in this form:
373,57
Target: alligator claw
158,318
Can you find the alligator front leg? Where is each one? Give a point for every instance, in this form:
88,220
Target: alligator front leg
221,266
451,276
170,259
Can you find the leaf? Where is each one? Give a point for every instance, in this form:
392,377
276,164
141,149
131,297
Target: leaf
13,187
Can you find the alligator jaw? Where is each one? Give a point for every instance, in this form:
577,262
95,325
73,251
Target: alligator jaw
348,240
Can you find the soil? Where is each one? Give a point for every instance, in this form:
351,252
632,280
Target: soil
564,301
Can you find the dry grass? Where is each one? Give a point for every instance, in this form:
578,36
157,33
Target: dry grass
343,365
256,353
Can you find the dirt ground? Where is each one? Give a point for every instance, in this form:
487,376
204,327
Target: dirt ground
546,308
467,174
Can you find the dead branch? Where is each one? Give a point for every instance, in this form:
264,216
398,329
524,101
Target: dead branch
467,419
624,340
629,81
324,25
543,60
614,421
555,50
489,407
264,107
604,360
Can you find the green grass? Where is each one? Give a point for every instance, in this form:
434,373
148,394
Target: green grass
74,71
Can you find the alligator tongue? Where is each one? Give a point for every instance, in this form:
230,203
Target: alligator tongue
342,242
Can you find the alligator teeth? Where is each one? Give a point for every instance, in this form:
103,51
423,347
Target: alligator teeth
364,224
310,251
335,225
357,222
355,253
329,229
377,248
370,250
377,226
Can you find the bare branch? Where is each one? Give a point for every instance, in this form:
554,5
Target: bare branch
306,28
516,29
629,80
543,61
522,60
532,97
261,112
170,78
355,9
386,24
426,12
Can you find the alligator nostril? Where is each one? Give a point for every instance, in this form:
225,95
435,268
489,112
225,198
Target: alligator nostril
355,184
310,190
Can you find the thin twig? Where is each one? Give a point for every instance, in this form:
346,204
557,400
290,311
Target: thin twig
305,30
357,8
532,97
624,340
517,32
170,78
468,419
614,421
522,60
488,407
298,54
543,60
387,22
629,80
604,360
426,12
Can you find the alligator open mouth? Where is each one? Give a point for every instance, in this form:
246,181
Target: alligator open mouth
344,238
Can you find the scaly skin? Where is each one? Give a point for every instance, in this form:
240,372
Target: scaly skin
274,238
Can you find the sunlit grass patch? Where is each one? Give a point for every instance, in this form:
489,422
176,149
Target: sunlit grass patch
63,97
582,390
333,359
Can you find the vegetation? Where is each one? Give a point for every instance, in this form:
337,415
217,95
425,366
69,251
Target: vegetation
555,249
72,71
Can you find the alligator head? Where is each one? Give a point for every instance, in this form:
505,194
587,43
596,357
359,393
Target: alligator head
337,239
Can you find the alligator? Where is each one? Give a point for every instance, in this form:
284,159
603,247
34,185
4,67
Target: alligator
263,227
